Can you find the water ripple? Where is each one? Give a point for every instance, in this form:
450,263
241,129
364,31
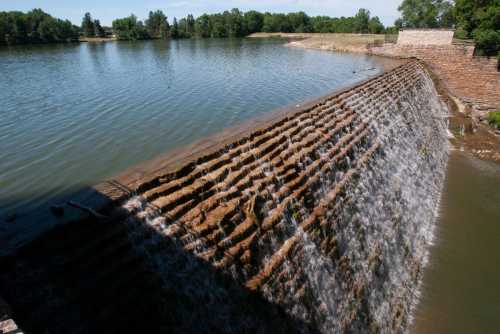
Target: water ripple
83,113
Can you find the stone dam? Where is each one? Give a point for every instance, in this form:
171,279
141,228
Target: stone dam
318,221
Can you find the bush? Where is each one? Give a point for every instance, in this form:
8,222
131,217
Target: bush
487,42
494,119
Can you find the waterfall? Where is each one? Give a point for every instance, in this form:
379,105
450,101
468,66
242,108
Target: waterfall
332,221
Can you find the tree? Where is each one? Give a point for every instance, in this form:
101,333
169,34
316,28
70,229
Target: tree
98,29
375,26
174,32
202,26
218,26
480,20
190,25
157,24
427,14
129,28
418,14
46,31
233,22
88,26
35,26
299,22
361,21
276,23
253,21
183,28
446,14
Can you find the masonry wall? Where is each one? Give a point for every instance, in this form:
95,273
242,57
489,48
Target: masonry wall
475,80
425,37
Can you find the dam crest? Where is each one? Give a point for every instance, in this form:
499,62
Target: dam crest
319,222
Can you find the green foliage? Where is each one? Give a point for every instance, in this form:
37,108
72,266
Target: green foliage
157,25
202,26
426,14
487,41
375,26
174,32
253,21
494,119
98,29
35,26
129,28
361,21
190,25
88,29
16,27
480,19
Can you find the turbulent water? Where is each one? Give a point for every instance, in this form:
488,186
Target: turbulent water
361,270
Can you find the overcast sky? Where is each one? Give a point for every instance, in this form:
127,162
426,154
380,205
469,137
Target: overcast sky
107,10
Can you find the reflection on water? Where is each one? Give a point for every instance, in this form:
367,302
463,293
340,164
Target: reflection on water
462,283
72,115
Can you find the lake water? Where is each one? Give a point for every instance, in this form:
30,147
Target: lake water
73,115
461,292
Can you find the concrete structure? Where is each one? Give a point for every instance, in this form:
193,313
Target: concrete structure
425,37
474,80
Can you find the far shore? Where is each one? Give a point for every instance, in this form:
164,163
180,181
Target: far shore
97,39
357,43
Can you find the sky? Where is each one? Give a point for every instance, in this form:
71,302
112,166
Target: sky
108,10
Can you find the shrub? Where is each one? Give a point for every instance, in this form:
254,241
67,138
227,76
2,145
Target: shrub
494,119
487,41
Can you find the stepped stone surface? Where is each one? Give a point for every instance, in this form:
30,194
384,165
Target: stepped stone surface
227,242
474,80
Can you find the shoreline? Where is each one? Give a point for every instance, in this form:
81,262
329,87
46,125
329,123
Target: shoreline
475,137
97,39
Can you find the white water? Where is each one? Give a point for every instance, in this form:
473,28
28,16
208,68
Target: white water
383,230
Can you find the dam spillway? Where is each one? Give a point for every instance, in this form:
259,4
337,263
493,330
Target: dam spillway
318,222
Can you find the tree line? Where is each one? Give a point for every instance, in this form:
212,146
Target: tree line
235,23
35,26
472,19
38,27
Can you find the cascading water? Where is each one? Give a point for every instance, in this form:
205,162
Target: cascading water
331,222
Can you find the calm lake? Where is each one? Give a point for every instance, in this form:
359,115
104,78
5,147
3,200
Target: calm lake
73,115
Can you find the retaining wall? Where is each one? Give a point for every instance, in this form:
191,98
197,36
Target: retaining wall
425,37
475,80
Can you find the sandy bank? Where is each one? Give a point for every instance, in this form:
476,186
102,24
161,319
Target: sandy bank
358,43
97,39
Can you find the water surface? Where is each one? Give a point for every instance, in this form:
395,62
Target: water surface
461,285
73,115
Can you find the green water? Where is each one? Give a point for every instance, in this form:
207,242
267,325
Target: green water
461,292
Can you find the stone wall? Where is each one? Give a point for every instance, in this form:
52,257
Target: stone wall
474,80
425,37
